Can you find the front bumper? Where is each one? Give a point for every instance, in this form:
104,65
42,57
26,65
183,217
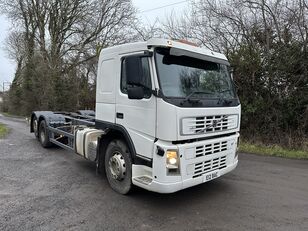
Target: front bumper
161,187
198,160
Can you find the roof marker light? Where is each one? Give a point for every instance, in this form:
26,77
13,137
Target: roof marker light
187,42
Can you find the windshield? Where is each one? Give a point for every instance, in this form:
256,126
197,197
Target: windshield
187,77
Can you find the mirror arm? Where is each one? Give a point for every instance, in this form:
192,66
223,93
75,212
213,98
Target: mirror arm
148,54
157,93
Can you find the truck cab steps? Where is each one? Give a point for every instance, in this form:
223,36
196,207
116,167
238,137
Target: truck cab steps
146,180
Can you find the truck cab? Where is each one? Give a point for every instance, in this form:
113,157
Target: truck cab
170,115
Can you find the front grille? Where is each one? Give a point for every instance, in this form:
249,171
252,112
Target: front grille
206,124
209,149
209,165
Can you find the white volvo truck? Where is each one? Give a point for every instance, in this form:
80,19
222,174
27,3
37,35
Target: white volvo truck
167,117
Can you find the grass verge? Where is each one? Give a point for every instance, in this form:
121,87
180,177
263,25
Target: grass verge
3,130
273,150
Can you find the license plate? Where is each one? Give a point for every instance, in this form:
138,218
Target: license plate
210,176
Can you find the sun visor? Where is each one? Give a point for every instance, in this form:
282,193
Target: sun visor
180,52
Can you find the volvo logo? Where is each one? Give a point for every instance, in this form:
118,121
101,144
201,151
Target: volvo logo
214,124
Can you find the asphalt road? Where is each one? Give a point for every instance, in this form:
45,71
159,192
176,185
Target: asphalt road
53,189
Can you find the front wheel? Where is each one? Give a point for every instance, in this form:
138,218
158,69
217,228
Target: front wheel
118,166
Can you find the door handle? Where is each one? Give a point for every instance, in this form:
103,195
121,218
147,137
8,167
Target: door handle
120,115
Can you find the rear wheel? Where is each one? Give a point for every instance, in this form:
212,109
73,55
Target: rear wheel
35,127
44,135
118,166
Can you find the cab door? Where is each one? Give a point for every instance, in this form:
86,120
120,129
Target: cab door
137,116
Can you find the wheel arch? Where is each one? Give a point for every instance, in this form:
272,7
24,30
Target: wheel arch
116,131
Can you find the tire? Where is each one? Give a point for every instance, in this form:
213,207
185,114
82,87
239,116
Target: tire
118,167
44,135
35,127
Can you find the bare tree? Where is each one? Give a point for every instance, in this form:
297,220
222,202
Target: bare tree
61,39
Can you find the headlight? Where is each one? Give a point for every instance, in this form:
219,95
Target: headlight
172,158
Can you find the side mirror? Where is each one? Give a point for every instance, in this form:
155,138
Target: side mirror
135,92
133,68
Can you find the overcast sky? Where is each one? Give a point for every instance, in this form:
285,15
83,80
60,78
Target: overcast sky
146,12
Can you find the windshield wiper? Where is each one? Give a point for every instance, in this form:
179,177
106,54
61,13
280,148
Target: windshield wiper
197,92
223,91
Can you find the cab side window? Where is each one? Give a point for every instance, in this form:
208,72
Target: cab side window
146,77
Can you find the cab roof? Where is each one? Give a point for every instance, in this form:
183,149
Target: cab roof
186,47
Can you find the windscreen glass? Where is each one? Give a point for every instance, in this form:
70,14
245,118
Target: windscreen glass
182,76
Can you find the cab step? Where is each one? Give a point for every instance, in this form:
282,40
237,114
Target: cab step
146,180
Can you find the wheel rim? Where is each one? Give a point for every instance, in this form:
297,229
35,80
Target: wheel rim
35,126
117,166
42,135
